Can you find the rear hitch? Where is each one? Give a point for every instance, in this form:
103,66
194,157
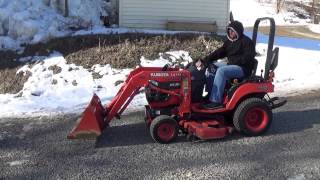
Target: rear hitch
276,102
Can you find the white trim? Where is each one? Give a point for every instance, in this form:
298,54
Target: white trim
232,40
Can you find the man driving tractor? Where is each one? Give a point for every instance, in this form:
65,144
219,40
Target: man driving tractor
174,95
240,52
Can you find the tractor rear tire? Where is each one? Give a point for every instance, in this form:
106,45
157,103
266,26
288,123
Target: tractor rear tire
252,117
164,129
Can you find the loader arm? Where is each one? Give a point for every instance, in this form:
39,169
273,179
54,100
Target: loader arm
96,117
125,95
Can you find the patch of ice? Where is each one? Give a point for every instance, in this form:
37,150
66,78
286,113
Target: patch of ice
298,177
17,163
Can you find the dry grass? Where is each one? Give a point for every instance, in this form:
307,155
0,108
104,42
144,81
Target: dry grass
10,82
124,50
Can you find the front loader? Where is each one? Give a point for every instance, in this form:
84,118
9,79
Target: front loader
247,107
176,93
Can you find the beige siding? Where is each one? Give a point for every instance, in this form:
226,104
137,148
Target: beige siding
155,13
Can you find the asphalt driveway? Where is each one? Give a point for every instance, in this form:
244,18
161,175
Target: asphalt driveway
37,148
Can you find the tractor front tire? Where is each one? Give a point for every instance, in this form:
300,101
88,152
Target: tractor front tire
164,129
252,117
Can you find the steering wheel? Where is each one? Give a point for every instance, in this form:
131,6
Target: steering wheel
165,67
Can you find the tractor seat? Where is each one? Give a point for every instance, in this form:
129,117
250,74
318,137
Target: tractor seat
253,74
234,83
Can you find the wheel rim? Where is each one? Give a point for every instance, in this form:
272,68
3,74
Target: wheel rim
256,119
166,131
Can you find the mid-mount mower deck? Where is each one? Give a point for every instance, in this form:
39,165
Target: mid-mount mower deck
170,110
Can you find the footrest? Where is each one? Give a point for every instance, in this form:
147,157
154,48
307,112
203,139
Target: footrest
277,102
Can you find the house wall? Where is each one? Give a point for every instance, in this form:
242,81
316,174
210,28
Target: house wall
155,14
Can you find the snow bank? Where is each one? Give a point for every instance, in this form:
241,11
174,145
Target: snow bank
315,28
39,20
64,89
88,10
17,163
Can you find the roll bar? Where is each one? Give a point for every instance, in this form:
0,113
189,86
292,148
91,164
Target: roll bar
272,54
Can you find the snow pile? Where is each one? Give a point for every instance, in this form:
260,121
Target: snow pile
175,58
315,28
17,163
89,11
56,86
24,21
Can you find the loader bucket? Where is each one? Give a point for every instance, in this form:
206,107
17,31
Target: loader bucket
91,123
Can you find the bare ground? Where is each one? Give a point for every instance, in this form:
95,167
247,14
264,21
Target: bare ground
121,51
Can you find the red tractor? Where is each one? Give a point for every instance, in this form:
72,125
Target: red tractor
170,110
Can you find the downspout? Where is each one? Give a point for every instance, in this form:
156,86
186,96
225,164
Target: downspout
229,15
66,8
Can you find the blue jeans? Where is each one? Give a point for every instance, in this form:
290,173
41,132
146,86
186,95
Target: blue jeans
216,81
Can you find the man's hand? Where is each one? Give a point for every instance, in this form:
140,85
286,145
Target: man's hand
212,68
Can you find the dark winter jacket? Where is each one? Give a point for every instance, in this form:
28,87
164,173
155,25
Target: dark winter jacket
239,52
198,80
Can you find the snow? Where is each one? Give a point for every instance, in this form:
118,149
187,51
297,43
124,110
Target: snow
103,30
69,89
17,163
297,71
298,177
33,21
89,11
249,11
315,28
173,57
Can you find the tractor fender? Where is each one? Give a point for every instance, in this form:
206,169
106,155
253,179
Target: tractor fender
246,90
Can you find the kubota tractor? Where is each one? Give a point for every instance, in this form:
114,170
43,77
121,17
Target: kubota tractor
247,107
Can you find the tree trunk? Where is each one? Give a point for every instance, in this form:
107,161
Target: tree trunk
279,4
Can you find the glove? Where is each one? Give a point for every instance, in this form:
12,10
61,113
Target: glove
212,68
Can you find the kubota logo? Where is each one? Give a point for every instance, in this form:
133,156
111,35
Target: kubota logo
159,74
263,88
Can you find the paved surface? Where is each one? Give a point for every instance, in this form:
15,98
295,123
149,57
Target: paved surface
37,148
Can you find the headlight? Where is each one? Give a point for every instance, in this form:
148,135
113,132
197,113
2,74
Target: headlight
154,83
